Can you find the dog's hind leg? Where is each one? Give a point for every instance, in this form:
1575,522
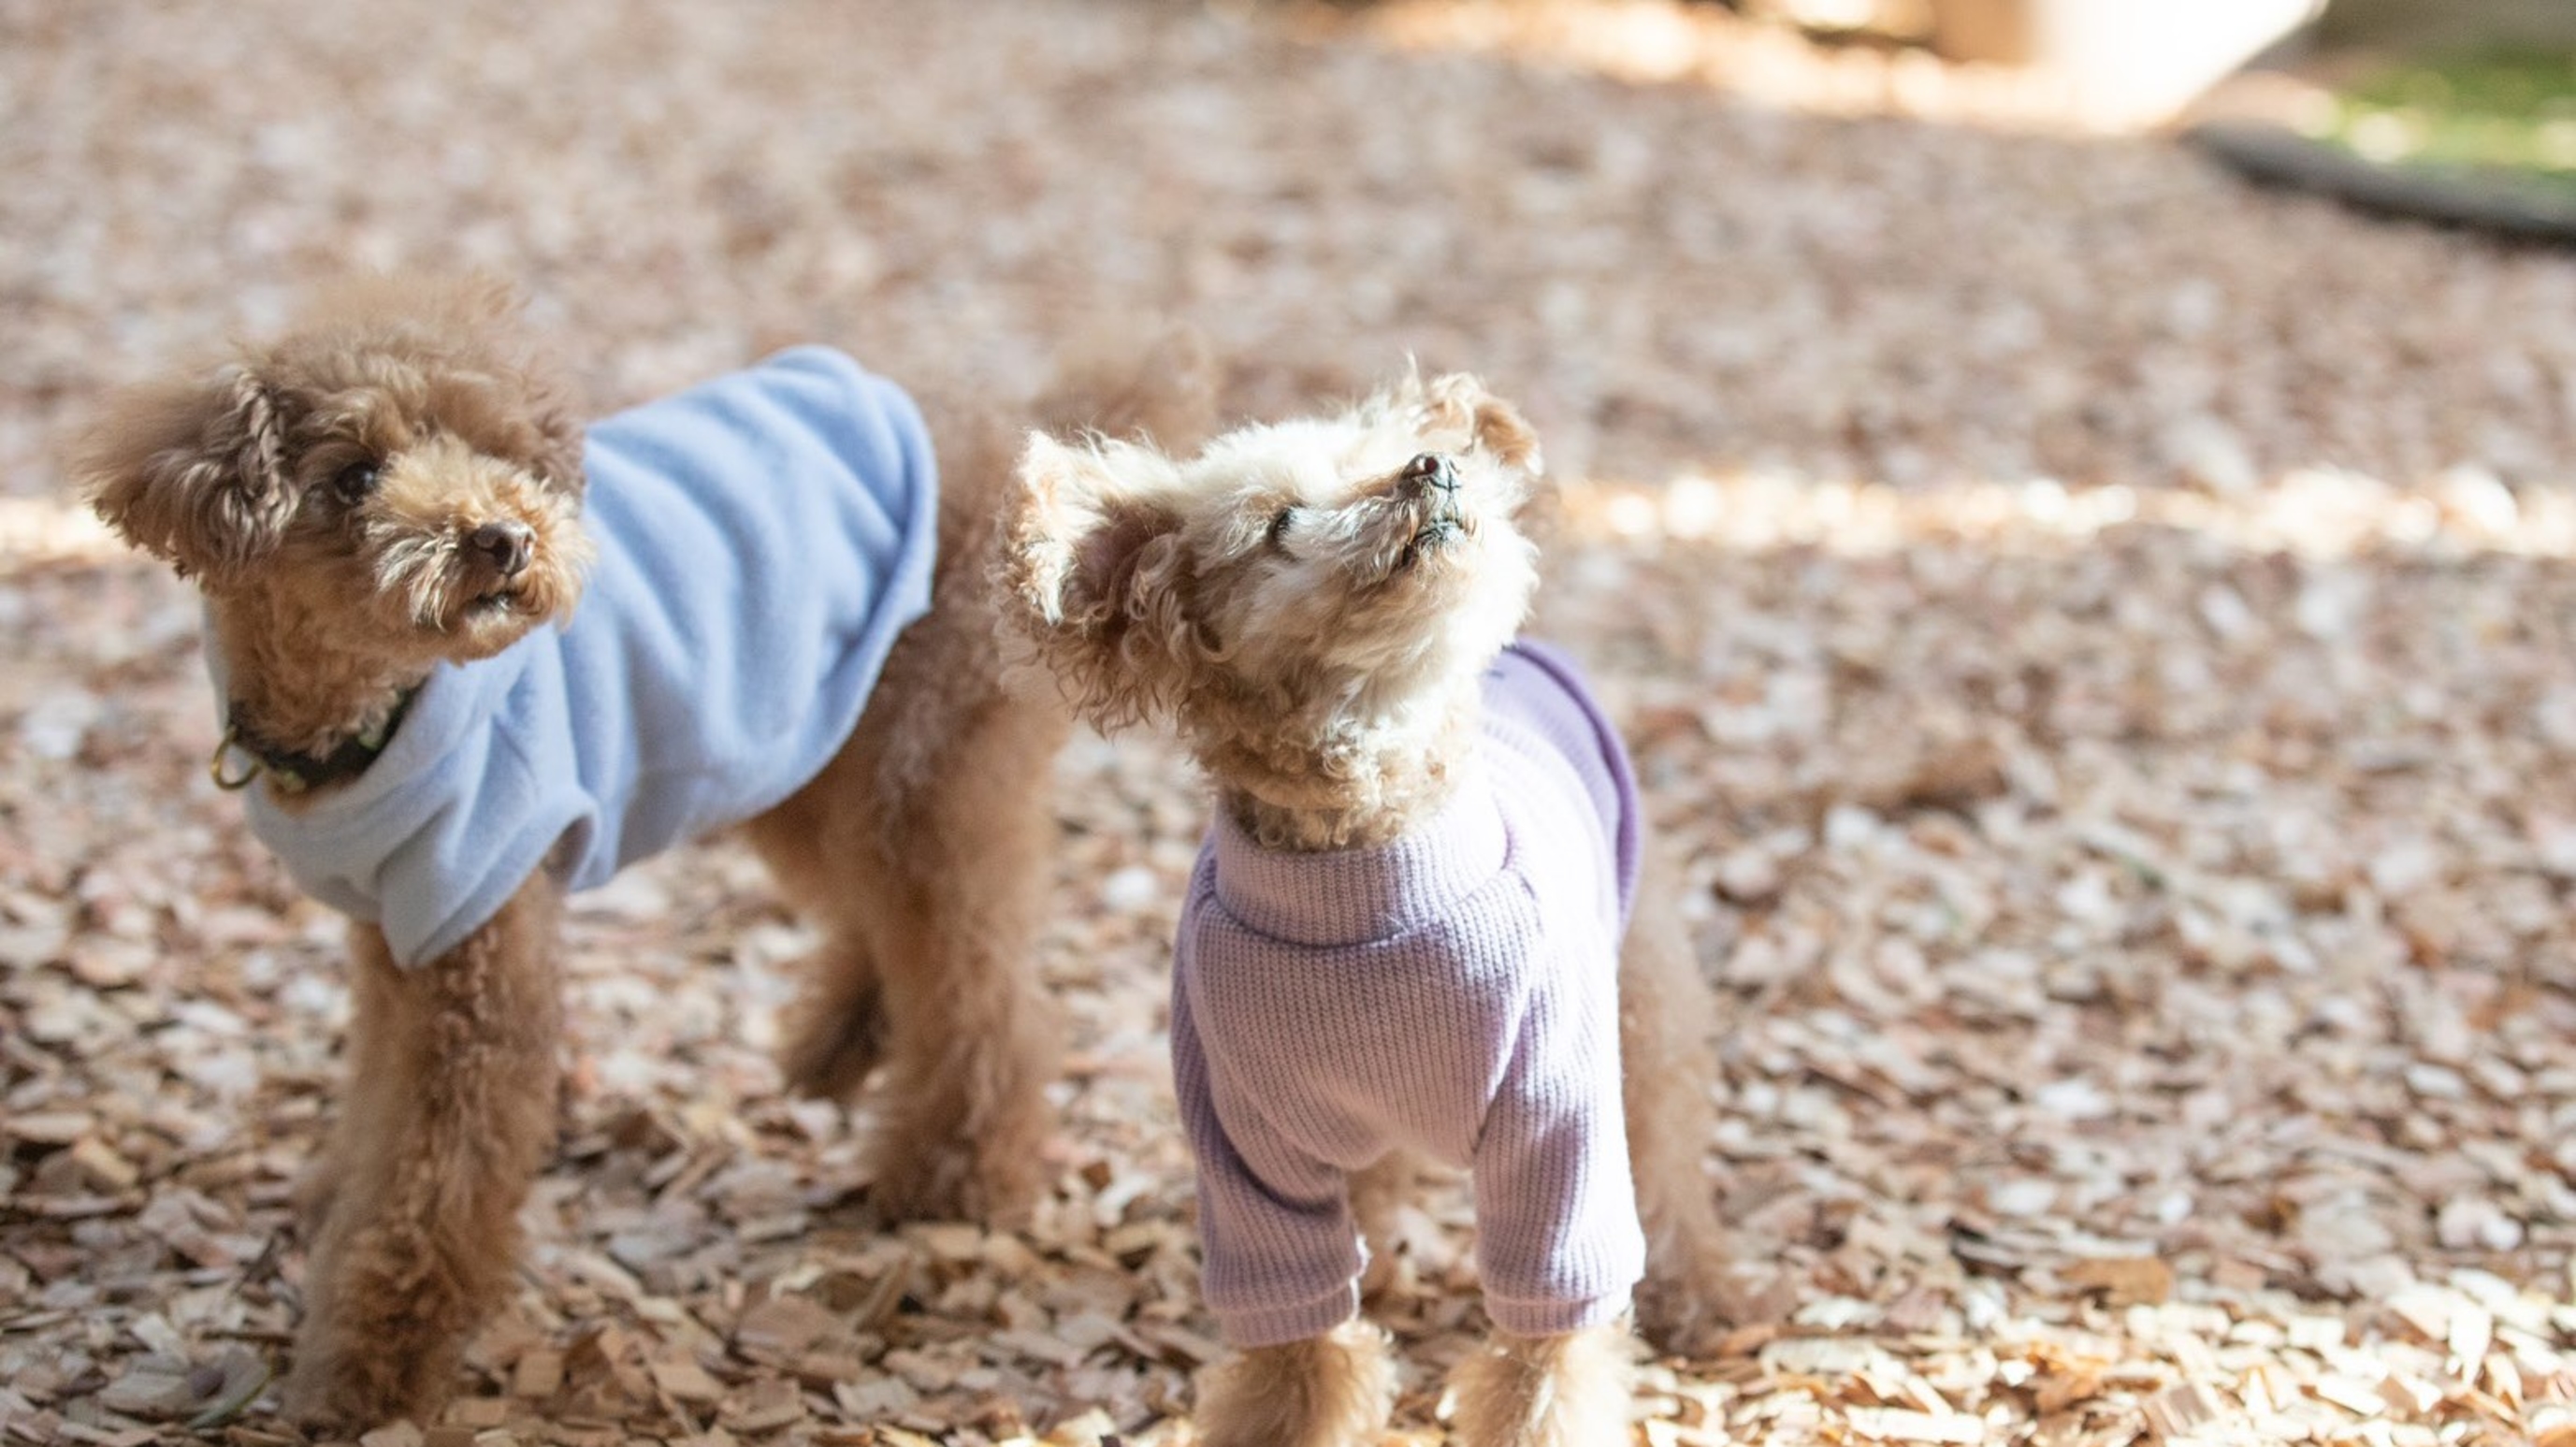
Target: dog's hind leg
838,1037
450,1112
924,847
1378,1196
835,1038
971,1041
1668,1045
923,850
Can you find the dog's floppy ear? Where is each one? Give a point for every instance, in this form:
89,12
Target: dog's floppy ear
1457,404
192,472
1458,400
1098,576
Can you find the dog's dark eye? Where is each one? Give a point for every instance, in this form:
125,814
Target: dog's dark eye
355,482
1279,528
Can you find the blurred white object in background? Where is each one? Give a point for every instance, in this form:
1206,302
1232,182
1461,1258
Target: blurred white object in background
2141,60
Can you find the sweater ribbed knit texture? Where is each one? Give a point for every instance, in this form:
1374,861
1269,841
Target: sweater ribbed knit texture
762,539
1452,994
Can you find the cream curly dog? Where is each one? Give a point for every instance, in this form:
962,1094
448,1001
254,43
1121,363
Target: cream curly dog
1427,923
471,656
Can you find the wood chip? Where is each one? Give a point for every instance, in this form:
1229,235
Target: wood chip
685,1379
783,1326
538,1374
1892,1424
2125,1281
2182,1411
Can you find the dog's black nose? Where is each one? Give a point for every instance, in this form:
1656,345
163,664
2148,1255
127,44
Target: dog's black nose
504,546
1433,471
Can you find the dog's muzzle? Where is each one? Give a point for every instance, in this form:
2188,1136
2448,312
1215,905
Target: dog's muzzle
502,549
1431,473
1430,483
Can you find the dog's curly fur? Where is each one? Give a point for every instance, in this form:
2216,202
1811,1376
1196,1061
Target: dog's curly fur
919,850
1546,1391
1325,1391
1315,622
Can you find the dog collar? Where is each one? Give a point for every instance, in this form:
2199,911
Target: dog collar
293,772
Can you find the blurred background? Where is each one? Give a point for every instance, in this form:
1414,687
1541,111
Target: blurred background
2071,500
1884,240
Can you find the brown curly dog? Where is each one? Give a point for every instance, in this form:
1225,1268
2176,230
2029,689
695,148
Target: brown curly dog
393,491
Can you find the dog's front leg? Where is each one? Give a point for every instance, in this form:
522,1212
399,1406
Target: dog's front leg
449,1112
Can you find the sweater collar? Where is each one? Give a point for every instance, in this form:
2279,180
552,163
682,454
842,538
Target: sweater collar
1355,896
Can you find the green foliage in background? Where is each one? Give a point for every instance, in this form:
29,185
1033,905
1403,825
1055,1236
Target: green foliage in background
2505,112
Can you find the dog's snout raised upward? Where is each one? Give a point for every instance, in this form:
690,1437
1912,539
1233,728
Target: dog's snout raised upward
504,547
1432,471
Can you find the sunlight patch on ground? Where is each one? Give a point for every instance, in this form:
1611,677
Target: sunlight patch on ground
2318,512
2315,512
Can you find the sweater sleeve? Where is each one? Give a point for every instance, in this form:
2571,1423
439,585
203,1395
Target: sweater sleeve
1556,1216
1281,1256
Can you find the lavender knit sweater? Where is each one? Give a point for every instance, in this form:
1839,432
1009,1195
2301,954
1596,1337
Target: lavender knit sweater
1452,994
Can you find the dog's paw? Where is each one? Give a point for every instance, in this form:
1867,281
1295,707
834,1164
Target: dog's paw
961,1136
1690,1313
1679,1321
921,1179
934,1189
388,1309
1334,1390
343,1388
1558,1391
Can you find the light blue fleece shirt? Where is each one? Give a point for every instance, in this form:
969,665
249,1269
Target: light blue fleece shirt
762,539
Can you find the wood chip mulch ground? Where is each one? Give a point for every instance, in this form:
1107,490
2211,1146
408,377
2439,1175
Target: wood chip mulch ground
2105,638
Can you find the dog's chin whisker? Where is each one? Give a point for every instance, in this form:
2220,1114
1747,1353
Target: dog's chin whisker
422,571
426,598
